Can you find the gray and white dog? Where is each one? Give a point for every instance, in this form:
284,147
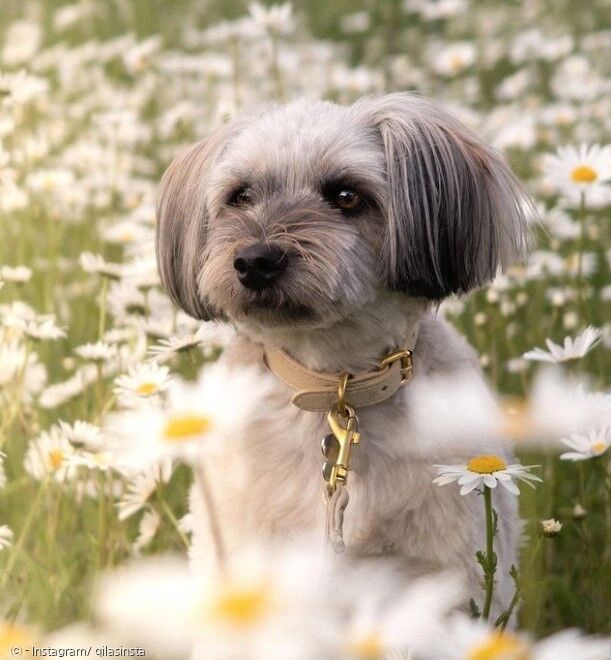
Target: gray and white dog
331,232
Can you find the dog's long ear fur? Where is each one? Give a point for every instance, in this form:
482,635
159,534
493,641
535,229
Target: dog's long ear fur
182,221
456,214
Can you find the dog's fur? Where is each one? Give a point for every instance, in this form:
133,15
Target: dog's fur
442,215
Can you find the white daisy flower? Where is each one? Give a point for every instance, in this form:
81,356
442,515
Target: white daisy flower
149,524
485,470
43,329
50,454
17,274
573,349
592,445
143,381
196,417
579,170
6,537
95,263
141,486
96,352
454,58
464,637
83,434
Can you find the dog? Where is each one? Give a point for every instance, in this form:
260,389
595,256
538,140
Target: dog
333,233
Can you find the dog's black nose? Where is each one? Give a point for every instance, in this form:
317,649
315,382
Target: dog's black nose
259,265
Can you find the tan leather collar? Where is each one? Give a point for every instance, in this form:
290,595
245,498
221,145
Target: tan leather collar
318,391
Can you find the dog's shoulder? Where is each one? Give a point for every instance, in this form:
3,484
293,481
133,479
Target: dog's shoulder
440,348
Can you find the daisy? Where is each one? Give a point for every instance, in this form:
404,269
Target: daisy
141,486
149,524
576,171
468,638
143,381
50,454
592,445
82,434
17,274
485,470
43,329
455,58
196,417
573,349
6,537
95,263
96,352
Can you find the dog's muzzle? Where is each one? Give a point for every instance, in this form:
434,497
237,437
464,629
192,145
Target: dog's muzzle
258,266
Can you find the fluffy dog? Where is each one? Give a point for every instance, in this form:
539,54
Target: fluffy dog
333,232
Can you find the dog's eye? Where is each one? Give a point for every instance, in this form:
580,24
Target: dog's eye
347,199
240,197
343,197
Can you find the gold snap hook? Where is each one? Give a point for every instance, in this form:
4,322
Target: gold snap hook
341,394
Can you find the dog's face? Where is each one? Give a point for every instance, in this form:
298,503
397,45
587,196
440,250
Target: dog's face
309,212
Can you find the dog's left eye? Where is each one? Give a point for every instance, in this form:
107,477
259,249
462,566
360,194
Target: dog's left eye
343,197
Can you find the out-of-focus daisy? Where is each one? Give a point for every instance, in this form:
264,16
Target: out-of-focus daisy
276,19
268,604
149,524
14,635
142,382
455,58
141,486
17,274
573,349
551,527
476,640
579,170
96,352
592,445
6,537
50,454
43,329
485,470
195,418
82,434
95,263
209,336
557,406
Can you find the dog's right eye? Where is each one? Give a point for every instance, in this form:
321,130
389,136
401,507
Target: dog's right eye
240,197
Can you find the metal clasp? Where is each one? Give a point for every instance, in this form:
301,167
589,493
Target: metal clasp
344,429
407,366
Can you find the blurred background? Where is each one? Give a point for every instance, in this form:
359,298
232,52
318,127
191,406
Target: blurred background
96,98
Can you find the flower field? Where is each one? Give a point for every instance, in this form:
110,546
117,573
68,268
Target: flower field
108,394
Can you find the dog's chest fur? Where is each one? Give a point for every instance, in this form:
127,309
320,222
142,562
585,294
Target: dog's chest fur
268,484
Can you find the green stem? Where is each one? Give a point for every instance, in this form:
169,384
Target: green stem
171,517
490,568
103,298
582,230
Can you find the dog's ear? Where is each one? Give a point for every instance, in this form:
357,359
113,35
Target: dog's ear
456,214
182,219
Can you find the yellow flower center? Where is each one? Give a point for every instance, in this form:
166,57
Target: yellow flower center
368,647
486,464
146,389
598,447
56,458
185,427
583,174
12,636
243,606
500,646
517,421
456,63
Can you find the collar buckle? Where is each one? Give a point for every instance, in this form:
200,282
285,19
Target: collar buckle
407,365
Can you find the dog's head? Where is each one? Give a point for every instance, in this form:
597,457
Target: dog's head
310,211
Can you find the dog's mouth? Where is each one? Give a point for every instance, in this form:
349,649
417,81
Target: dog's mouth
275,312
